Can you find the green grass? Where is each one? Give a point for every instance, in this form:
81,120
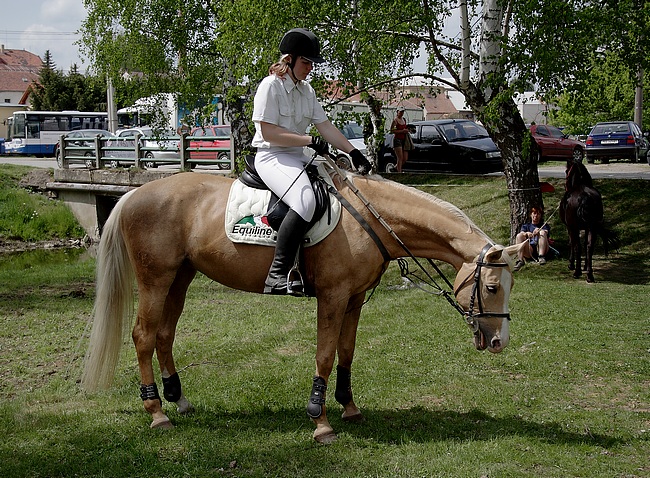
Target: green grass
568,397
31,217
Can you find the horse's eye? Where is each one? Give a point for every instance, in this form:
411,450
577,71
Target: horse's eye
492,289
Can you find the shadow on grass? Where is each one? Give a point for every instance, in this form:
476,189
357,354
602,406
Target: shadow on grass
121,444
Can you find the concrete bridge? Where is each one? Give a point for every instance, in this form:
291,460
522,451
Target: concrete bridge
91,194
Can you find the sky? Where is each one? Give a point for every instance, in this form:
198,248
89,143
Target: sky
41,25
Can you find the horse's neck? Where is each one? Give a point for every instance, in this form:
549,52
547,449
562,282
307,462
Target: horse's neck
428,226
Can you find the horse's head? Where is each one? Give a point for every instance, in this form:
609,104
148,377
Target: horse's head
577,175
482,289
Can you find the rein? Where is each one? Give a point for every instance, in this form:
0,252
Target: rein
469,316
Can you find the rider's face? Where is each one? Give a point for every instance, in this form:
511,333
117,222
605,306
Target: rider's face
302,68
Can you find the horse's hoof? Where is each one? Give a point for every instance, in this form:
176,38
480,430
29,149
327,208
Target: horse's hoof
325,437
353,417
163,423
590,279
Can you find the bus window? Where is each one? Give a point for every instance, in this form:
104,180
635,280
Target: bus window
19,126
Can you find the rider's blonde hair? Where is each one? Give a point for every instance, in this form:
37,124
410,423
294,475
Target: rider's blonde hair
281,67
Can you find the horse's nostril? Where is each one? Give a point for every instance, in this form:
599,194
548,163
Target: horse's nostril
496,343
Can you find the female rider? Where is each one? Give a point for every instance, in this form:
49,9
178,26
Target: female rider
284,107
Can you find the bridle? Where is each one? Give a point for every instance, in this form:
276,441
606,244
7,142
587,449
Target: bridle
470,316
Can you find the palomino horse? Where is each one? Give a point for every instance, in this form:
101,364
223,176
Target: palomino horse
581,209
162,233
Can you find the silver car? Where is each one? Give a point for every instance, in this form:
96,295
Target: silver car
162,146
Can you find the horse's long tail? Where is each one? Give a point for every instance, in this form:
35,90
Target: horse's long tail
113,304
611,239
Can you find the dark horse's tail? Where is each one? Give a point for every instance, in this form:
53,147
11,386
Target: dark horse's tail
611,239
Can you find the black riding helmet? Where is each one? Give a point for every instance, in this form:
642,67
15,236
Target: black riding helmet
301,42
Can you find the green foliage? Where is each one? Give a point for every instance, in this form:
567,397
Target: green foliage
608,96
32,217
56,91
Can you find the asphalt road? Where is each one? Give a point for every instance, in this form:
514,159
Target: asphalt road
615,169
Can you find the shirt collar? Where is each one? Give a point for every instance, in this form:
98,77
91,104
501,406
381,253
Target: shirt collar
289,85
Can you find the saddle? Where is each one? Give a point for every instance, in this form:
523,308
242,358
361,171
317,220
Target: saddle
254,213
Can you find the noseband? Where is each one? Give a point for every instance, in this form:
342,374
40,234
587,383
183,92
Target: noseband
471,317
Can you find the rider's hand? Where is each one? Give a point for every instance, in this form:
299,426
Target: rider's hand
360,162
319,145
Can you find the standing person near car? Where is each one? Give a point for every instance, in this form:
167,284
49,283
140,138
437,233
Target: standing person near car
400,129
285,106
537,233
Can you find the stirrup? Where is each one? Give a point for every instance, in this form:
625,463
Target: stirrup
295,286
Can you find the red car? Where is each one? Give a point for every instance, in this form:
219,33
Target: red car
553,144
204,138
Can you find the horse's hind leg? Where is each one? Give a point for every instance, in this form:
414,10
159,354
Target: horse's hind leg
174,303
154,329
589,253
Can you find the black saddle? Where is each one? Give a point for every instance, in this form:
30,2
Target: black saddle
277,209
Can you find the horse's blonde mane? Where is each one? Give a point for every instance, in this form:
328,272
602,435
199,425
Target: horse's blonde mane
442,204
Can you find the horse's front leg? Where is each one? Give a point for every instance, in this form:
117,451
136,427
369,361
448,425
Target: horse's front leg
330,318
576,253
346,346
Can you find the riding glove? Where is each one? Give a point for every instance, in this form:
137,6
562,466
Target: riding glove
360,162
319,145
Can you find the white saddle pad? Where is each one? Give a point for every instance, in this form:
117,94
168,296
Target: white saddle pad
246,223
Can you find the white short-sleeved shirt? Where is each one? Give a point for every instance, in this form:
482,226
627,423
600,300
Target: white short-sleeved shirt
290,105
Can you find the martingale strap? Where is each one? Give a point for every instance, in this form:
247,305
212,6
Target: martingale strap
355,214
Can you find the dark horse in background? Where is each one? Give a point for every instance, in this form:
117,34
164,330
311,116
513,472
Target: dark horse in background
581,209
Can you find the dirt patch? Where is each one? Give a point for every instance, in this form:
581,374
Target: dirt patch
36,181
8,246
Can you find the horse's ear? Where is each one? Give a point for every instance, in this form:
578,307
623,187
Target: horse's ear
509,252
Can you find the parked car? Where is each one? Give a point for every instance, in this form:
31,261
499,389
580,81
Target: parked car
450,145
81,138
616,139
160,146
354,134
216,136
552,143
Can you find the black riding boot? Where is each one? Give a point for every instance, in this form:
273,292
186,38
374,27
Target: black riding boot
290,235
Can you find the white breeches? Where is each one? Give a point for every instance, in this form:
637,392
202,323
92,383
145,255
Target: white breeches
279,170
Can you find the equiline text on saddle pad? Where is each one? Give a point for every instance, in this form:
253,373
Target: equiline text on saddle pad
246,220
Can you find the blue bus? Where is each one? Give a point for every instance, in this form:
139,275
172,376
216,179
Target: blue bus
36,133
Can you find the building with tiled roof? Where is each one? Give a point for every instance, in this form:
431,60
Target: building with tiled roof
18,69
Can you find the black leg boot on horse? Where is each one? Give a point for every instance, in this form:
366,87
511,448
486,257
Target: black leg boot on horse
281,280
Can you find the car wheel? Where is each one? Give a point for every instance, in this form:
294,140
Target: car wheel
344,162
538,156
590,159
390,166
59,158
604,161
223,157
114,164
635,157
578,155
90,163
